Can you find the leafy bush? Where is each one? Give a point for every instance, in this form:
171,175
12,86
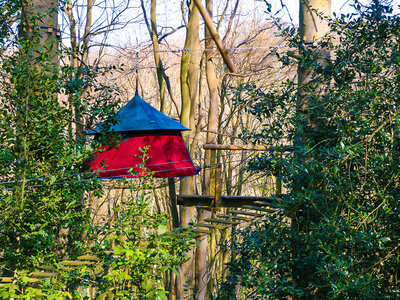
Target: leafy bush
45,183
143,251
134,254
336,235
42,164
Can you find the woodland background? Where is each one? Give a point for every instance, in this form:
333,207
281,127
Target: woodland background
320,96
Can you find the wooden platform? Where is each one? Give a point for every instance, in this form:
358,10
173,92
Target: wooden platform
226,201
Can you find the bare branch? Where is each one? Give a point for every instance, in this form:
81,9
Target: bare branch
231,21
215,36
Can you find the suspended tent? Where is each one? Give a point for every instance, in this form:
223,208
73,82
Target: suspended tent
142,125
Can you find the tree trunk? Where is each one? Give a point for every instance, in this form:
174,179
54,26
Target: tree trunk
78,60
311,29
46,23
210,159
39,29
157,59
189,90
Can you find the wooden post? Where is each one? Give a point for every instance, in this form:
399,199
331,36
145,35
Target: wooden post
218,185
173,204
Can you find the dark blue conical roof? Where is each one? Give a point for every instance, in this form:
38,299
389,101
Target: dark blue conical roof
138,115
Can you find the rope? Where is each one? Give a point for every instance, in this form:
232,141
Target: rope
179,50
137,74
93,172
119,169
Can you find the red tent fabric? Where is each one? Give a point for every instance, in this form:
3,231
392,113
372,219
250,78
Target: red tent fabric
143,125
167,157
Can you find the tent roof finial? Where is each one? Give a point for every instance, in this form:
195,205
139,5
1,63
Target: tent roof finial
137,73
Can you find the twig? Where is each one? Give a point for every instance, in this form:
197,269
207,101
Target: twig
369,139
82,124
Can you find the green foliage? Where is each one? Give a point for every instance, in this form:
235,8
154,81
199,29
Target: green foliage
143,252
45,186
43,166
24,289
337,235
136,253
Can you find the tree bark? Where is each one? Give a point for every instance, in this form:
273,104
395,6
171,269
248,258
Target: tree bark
189,90
152,28
215,36
157,60
46,23
311,29
202,277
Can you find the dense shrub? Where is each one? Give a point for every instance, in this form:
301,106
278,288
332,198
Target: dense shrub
337,234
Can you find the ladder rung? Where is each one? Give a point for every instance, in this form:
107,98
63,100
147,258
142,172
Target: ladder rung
88,257
241,212
30,279
75,263
258,208
270,204
234,217
46,268
43,274
213,226
209,208
221,221
204,231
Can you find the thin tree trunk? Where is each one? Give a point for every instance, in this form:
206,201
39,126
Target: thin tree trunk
202,276
78,61
311,29
162,78
157,60
156,47
189,90
88,27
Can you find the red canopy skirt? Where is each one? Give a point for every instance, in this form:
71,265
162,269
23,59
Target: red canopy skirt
167,156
